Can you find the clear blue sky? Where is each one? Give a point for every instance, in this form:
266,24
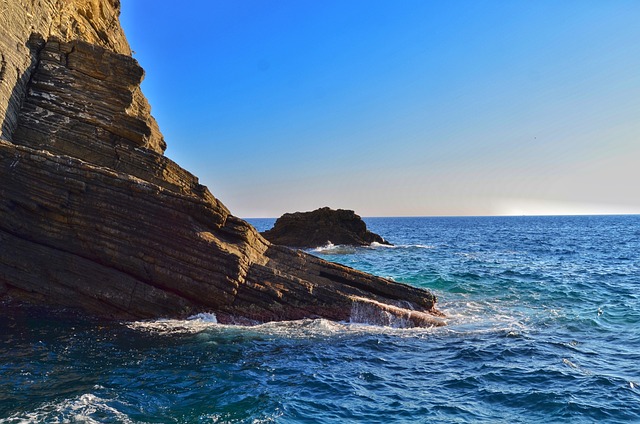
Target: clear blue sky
397,108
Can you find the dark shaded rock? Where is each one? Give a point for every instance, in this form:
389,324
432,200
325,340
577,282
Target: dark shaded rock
94,216
319,227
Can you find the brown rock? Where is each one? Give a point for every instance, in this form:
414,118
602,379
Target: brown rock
93,216
93,21
319,227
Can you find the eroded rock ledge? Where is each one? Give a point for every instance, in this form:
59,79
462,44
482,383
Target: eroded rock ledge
93,216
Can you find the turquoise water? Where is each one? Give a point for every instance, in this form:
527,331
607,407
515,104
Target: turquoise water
544,326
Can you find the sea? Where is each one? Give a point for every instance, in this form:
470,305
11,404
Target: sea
543,319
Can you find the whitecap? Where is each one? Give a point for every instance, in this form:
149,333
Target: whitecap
334,249
304,328
295,329
320,327
192,325
209,317
376,245
86,408
343,249
420,246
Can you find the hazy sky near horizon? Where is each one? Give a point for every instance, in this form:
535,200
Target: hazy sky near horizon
398,108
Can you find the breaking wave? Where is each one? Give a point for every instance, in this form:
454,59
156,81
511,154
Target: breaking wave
304,328
87,408
462,318
193,324
342,249
376,245
335,249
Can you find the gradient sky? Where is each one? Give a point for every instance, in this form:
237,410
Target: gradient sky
396,108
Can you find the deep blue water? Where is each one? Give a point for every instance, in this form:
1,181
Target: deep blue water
544,326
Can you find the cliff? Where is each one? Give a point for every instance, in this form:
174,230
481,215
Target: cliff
319,227
94,216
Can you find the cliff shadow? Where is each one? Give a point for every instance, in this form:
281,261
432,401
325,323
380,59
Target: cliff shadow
35,43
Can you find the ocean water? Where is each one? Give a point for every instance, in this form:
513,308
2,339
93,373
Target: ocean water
544,326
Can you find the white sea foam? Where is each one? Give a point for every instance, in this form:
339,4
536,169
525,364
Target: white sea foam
209,317
305,328
462,317
334,249
480,317
341,249
86,408
376,245
193,324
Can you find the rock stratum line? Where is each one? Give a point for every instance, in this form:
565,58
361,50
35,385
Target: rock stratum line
94,216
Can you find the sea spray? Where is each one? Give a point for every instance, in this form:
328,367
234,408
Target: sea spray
367,311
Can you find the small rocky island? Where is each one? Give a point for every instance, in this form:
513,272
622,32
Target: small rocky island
94,216
321,226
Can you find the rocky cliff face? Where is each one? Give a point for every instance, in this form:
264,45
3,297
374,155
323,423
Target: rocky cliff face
92,215
94,21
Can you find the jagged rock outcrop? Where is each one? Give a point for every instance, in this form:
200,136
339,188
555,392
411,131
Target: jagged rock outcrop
93,216
319,227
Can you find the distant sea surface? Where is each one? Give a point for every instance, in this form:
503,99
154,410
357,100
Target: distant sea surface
544,326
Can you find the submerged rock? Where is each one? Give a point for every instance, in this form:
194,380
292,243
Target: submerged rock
320,227
94,216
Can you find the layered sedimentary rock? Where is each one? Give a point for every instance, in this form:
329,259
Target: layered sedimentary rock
93,216
94,21
319,227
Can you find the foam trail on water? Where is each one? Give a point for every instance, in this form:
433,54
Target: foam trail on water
193,324
476,317
376,245
365,319
342,249
87,408
333,249
368,316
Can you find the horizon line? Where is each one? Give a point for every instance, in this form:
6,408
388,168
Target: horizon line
474,216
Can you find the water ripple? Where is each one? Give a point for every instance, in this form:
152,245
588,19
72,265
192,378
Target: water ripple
543,327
